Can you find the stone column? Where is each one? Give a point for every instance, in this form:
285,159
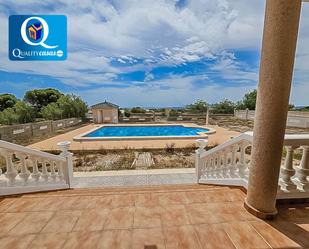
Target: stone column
276,69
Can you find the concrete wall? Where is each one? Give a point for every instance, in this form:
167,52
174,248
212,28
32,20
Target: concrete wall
295,118
13,133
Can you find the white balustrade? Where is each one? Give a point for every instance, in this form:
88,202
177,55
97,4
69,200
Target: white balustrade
228,164
30,170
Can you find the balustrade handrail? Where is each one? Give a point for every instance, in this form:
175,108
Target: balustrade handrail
229,164
245,136
30,151
289,140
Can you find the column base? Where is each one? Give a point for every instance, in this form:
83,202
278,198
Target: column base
259,214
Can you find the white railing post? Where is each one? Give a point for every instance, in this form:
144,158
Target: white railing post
45,173
24,172
36,174
242,166
233,166
287,171
68,170
303,169
11,172
224,163
198,161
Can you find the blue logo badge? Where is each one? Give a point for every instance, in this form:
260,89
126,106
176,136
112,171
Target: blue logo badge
38,37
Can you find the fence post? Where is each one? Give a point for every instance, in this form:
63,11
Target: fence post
64,147
247,113
198,161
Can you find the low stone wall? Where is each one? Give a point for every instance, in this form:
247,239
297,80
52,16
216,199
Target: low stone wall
295,118
13,133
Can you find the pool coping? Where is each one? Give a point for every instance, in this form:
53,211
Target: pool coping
81,137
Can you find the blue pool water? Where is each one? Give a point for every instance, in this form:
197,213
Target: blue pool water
140,131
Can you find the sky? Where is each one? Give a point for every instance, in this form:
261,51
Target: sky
152,52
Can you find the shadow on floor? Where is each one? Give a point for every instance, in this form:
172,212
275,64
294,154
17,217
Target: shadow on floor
293,222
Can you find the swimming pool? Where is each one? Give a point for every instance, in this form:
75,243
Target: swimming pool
144,131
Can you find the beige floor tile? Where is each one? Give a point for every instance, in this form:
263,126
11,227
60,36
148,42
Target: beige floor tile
180,237
9,220
115,239
6,203
49,204
244,236
16,242
148,238
34,222
174,215
170,198
104,201
201,214
213,236
123,200
120,218
292,230
48,241
274,237
146,217
70,203
25,204
92,220
62,222
146,200
236,195
82,240
216,196
195,197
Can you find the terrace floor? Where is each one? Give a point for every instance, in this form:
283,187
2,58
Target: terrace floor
179,216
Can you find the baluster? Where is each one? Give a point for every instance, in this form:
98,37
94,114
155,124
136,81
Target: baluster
213,171
218,167
24,172
1,154
242,165
224,166
60,171
287,171
11,172
45,173
209,170
303,169
52,171
233,166
199,162
36,174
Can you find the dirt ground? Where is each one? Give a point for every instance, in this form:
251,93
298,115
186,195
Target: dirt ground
240,125
123,159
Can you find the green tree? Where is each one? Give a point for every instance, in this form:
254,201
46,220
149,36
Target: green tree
51,112
8,117
224,107
6,101
198,106
25,112
42,97
126,112
72,106
138,109
248,101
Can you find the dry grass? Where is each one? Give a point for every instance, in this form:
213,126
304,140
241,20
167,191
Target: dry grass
123,159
